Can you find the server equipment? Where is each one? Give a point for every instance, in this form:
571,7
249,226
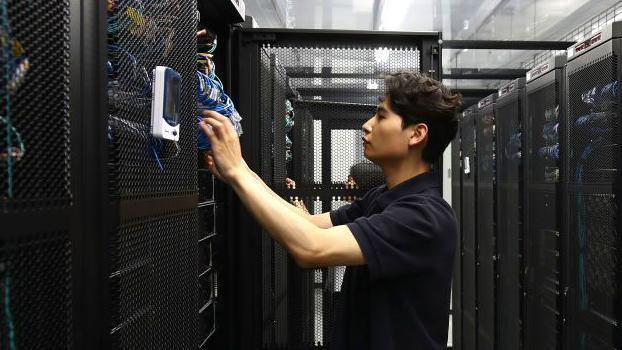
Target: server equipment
545,243
305,96
486,224
101,248
468,205
592,178
152,183
456,198
39,177
509,109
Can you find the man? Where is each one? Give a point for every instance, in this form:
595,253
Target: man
398,241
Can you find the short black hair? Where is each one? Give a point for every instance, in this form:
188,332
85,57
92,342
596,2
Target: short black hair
418,98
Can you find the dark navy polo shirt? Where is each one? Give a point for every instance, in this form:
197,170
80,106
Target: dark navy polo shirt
398,300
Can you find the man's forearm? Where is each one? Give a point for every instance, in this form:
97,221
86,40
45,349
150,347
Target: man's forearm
289,206
293,231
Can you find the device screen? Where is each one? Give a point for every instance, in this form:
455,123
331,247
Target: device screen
171,101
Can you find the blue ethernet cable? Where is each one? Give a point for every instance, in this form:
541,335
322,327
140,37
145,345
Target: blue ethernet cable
600,95
549,152
212,96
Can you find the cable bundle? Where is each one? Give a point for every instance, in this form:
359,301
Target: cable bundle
550,133
601,96
549,152
212,97
15,66
513,147
289,125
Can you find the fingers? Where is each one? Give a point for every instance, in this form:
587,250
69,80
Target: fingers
206,129
227,125
215,115
222,129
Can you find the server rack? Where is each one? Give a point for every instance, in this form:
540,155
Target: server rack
333,80
39,177
468,204
102,227
456,199
546,253
486,229
509,109
153,187
592,179
216,212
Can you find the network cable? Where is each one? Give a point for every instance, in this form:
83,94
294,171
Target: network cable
8,313
601,96
550,132
212,97
549,152
551,115
117,125
15,64
513,147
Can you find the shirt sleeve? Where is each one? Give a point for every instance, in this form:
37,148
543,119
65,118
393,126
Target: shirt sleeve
408,237
350,212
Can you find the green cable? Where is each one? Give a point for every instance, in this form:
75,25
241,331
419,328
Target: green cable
7,311
9,160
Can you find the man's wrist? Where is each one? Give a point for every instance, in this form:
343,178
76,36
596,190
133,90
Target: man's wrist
240,177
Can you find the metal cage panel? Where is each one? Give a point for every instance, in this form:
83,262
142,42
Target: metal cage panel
486,170
545,254
315,92
593,202
509,220
469,230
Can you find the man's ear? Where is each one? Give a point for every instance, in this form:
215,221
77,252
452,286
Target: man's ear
418,134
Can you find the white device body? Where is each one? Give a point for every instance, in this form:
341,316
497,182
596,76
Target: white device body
165,104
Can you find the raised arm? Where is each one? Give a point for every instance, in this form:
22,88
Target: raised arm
308,243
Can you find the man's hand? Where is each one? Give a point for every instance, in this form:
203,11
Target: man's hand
225,159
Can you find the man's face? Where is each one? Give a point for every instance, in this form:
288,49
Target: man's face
384,138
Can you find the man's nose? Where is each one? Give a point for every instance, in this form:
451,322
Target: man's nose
367,127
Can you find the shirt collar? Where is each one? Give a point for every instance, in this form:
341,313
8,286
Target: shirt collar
417,184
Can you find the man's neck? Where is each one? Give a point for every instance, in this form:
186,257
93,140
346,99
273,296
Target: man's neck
396,173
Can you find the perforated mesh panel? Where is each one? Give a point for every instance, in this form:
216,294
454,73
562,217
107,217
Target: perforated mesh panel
485,126
598,250
36,286
593,123
508,198
154,283
143,35
543,135
593,156
333,91
543,252
34,104
468,204
543,288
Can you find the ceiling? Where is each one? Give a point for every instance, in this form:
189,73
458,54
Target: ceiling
456,19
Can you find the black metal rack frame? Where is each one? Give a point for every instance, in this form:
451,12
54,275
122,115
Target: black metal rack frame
544,317
592,183
456,200
509,111
486,224
246,331
468,204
